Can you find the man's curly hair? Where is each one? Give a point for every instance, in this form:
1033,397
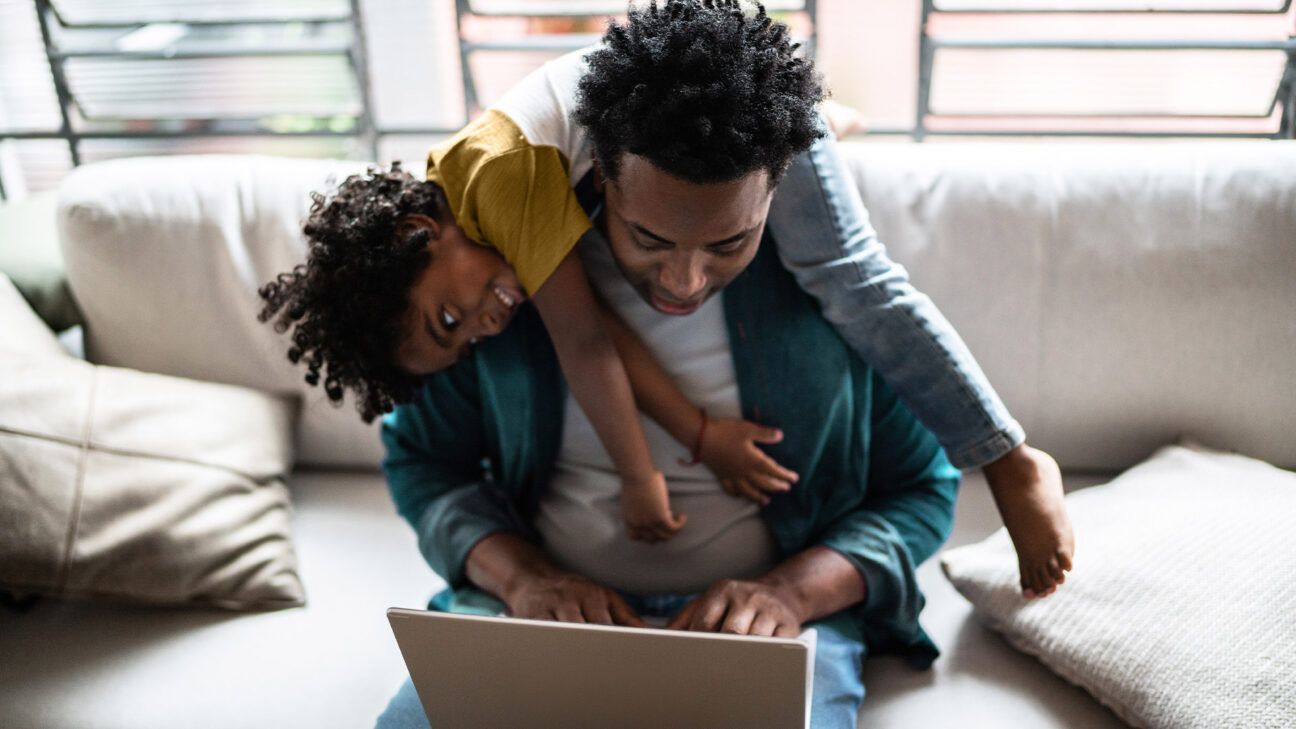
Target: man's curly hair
703,89
347,303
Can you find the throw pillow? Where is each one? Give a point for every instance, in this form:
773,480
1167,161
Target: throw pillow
124,485
1180,610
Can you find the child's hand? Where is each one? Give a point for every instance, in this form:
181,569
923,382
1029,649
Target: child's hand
645,506
729,450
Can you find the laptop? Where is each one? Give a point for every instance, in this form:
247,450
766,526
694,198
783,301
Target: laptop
476,672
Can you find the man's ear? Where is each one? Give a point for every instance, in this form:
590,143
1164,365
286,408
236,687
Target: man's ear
418,221
600,184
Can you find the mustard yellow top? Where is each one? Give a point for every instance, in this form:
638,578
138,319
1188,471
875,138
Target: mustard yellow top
510,194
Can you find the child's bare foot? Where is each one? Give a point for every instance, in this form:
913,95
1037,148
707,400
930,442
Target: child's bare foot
1027,488
645,506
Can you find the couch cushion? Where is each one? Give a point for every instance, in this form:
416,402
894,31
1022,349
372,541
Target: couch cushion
1117,295
1179,610
330,663
125,485
165,256
334,662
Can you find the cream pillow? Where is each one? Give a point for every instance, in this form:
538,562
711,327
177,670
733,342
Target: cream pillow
125,485
1181,609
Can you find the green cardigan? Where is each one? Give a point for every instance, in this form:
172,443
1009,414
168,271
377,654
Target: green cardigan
473,453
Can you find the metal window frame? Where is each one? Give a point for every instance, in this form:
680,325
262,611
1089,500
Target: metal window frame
370,133
1284,94
367,130
1115,11
559,43
355,52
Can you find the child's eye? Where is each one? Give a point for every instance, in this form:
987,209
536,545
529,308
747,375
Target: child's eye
449,321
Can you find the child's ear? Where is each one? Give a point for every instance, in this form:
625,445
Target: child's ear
418,221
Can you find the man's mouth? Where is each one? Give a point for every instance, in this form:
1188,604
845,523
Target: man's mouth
674,309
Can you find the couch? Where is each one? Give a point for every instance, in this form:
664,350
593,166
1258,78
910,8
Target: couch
1119,296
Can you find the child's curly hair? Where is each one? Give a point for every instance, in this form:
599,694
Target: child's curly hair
347,303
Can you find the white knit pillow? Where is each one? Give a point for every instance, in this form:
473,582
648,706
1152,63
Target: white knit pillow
1181,609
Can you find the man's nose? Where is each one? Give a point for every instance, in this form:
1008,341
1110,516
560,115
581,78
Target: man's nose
683,280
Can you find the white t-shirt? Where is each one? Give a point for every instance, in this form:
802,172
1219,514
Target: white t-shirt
580,515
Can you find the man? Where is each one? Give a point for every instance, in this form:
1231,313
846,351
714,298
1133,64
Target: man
538,535
541,535
690,124
694,113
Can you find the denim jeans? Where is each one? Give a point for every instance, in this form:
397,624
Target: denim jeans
838,686
825,239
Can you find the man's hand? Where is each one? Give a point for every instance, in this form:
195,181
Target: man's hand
570,598
742,607
729,449
532,586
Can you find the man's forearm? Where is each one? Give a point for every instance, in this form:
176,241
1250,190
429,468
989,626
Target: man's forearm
817,582
501,560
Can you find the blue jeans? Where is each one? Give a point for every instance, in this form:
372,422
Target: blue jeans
838,686
824,238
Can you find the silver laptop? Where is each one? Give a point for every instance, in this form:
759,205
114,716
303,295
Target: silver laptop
474,672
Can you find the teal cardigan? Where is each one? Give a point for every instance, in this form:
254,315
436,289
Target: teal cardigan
472,455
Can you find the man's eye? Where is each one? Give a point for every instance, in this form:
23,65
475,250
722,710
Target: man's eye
448,321
648,246
726,250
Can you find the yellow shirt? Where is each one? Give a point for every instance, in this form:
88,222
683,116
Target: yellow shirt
508,175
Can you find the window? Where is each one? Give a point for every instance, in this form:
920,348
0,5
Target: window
294,77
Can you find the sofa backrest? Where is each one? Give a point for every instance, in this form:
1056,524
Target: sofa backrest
165,256
1119,296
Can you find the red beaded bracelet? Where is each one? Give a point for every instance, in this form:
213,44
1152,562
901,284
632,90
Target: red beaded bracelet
697,444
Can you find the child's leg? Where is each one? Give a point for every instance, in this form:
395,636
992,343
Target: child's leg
825,240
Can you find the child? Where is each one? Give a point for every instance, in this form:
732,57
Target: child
394,290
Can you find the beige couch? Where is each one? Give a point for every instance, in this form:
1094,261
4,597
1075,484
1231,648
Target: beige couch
1118,295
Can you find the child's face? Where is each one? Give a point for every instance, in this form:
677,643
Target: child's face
468,292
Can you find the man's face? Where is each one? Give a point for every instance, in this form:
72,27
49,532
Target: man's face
680,242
